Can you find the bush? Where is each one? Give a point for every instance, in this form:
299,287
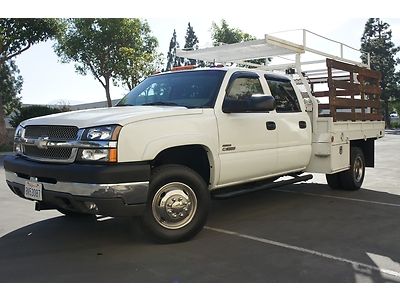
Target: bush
33,111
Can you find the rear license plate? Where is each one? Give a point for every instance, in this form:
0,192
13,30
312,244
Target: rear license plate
33,190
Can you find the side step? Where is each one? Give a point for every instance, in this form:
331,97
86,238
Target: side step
270,185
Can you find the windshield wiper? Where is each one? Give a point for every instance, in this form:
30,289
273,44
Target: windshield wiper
161,103
125,104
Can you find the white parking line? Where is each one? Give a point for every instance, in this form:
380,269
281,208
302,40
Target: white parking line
338,197
356,264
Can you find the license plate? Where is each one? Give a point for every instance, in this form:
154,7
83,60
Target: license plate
33,190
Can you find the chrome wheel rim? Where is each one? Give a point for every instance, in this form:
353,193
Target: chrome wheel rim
174,205
358,169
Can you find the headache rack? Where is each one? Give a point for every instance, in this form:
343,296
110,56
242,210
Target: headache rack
334,84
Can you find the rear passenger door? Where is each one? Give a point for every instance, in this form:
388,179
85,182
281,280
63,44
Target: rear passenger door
293,125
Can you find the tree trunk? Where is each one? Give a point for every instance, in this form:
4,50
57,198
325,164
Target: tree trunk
3,130
107,88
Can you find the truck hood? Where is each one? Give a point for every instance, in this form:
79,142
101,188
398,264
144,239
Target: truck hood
112,115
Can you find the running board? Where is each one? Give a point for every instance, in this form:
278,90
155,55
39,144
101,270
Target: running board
262,187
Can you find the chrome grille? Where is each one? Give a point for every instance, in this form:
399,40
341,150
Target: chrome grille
49,153
60,133
40,133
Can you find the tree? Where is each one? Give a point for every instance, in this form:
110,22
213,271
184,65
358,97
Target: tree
10,87
377,40
17,36
173,60
139,62
224,34
103,46
191,42
27,112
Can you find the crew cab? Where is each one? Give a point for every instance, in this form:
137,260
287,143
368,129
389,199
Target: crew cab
180,137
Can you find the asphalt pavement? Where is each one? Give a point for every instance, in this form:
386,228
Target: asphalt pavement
299,233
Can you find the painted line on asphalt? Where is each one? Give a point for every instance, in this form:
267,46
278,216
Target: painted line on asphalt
308,251
338,197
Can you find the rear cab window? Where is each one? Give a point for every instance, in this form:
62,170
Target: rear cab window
285,96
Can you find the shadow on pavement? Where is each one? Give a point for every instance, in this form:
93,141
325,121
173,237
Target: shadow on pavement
63,249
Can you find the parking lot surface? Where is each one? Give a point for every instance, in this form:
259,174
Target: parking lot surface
299,233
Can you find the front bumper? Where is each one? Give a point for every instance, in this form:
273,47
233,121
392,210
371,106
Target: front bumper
116,190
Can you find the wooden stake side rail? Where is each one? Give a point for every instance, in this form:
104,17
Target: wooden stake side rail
355,97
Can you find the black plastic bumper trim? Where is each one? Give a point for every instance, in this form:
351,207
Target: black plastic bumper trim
83,173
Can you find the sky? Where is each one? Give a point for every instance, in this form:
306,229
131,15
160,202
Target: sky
47,81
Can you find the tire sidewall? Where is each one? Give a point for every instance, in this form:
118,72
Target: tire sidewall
176,173
357,153
347,178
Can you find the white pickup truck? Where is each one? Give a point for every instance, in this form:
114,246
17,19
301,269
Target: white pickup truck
180,137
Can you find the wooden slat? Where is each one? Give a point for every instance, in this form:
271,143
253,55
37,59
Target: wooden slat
348,103
323,106
338,93
356,87
334,64
370,73
348,116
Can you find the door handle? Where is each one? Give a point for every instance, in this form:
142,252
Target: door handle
271,125
302,124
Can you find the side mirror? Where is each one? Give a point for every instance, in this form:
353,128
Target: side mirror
256,103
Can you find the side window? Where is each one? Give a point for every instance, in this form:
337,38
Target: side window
242,88
285,96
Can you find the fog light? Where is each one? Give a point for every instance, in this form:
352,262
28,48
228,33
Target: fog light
18,148
95,154
91,206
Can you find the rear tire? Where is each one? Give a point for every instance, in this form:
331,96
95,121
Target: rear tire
177,206
353,178
333,181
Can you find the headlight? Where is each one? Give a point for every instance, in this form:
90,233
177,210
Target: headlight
103,155
102,133
105,138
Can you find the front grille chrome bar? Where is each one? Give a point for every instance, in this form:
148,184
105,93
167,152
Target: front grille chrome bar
44,144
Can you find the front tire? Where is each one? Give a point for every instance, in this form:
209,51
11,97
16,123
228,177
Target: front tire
178,204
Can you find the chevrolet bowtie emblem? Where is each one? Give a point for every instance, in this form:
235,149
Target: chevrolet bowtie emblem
41,142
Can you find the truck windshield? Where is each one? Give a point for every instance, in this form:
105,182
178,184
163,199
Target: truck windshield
192,89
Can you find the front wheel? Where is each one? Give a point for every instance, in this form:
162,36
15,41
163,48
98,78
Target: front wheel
178,204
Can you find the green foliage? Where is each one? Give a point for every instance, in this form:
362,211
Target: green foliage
191,42
19,34
109,49
16,36
33,111
10,86
138,62
223,34
377,40
172,59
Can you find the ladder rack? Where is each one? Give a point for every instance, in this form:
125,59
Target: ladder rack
353,89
